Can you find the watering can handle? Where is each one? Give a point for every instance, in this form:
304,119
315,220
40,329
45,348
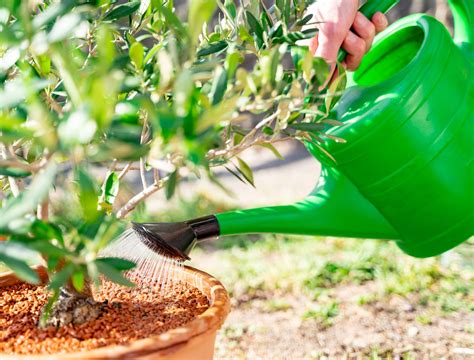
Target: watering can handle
463,13
369,9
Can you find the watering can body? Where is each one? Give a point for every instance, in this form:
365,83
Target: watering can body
406,171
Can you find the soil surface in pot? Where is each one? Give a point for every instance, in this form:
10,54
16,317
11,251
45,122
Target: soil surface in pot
128,315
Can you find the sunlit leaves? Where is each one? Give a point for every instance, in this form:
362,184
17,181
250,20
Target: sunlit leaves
88,195
109,269
219,86
14,172
200,11
99,85
137,54
109,191
64,27
78,128
16,256
27,201
17,91
122,10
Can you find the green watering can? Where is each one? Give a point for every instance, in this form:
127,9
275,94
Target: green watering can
406,172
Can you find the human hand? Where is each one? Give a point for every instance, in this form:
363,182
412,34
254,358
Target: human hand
340,24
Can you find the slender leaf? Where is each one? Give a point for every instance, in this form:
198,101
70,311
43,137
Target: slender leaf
213,48
14,172
137,53
219,86
122,10
171,185
117,263
28,200
273,149
60,278
112,274
200,11
88,197
77,280
15,256
110,189
246,171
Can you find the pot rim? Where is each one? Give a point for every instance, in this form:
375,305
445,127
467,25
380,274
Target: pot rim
209,321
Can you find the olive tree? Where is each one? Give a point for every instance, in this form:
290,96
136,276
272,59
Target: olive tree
92,91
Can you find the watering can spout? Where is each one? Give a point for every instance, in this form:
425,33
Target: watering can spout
334,208
463,14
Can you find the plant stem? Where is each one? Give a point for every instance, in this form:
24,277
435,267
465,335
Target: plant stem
135,200
43,211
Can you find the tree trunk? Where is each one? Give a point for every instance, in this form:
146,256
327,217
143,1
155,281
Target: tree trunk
73,307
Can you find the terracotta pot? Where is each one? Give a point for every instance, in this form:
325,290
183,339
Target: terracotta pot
194,340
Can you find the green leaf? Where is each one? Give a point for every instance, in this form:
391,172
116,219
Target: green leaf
112,274
122,10
49,306
14,172
200,11
152,52
311,127
304,20
16,91
232,62
213,48
219,86
77,280
137,53
273,149
171,19
21,269
171,184
15,256
332,122
246,171
117,263
60,278
222,112
110,189
105,46
28,200
88,197
46,231
235,174
51,13
255,28
183,90
78,128
64,27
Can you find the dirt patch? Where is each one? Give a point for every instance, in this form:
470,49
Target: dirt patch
393,327
128,315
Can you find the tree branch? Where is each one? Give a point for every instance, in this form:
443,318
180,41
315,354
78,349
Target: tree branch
134,201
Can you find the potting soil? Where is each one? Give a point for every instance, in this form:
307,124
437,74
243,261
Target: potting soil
128,315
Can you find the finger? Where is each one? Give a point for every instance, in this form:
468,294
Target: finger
380,22
352,62
356,48
313,44
365,29
329,41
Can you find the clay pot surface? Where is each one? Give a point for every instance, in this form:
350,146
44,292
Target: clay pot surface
194,340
